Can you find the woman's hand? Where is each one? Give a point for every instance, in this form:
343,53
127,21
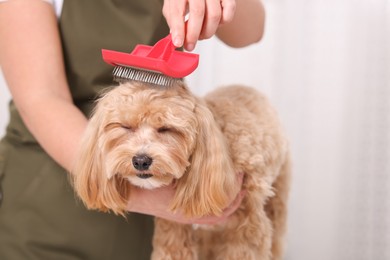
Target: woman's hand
236,23
204,18
156,202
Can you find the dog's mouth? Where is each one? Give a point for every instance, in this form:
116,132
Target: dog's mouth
149,180
144,175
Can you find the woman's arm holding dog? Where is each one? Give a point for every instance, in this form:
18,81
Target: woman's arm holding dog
157,203
32,63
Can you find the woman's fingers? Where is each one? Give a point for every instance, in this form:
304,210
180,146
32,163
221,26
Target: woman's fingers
196,9
204,18
174,12
212,19
228,10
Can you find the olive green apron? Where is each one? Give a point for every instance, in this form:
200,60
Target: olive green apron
40,216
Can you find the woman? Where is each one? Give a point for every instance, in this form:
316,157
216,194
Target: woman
53,68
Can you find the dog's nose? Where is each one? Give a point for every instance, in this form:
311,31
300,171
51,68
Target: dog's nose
142,162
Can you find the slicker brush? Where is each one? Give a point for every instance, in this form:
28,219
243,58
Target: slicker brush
160,65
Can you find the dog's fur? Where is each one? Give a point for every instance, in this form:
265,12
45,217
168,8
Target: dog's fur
201,145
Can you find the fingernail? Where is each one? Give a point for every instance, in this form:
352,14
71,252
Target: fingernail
178,42
190,47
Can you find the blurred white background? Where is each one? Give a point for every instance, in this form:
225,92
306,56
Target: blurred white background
325,65
4,99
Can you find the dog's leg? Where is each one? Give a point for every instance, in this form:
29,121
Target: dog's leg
247,236
276,209
207,242
173,241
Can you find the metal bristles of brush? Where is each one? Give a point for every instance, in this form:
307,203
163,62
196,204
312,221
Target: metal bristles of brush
125,74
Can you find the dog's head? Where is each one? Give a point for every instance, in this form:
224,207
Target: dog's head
150,137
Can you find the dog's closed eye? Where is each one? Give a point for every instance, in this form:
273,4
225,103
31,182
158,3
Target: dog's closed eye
111,126
129,128
163,129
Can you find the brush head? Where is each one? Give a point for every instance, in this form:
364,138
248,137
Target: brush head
160,64
123,74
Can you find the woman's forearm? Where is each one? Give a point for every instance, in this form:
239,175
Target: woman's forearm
32,64
247,26
56,124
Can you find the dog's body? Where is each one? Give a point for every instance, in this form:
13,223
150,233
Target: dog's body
175,137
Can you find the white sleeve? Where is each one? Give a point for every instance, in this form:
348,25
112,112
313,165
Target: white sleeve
57,5
49,1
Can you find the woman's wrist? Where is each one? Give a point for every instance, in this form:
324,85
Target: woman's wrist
247,26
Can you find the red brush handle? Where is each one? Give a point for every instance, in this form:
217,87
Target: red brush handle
162,49
162,57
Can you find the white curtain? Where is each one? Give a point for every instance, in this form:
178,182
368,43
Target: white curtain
325,66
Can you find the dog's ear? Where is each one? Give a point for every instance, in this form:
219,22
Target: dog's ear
96,188
209,184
